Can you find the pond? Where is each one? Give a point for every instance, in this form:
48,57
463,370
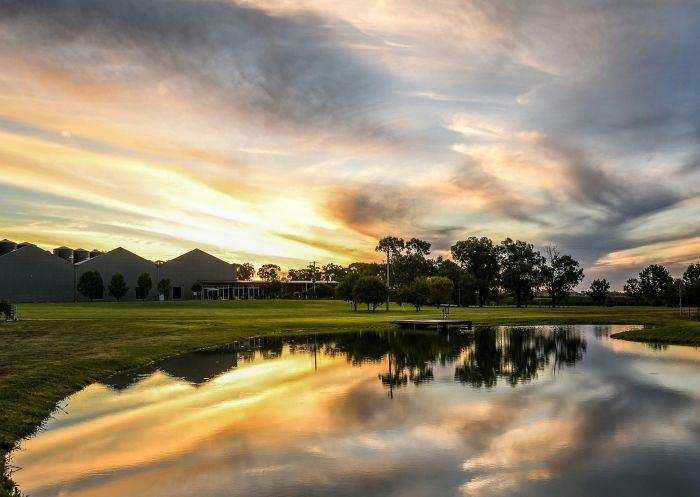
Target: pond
536,411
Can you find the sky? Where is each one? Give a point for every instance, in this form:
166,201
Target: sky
288,131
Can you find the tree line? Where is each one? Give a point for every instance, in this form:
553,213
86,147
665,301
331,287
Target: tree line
479,272
92,286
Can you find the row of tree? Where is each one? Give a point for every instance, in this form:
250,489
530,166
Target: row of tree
92,286
654,285
480,271
481,268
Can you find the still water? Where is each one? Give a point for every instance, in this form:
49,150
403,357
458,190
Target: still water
537,411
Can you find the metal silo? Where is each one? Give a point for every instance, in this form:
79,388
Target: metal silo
64,253
7,246
80,255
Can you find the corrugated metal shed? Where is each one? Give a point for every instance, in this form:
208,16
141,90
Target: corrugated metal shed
30,274
191,267
119,260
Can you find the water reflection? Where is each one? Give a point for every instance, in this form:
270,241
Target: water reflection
521,411
518,355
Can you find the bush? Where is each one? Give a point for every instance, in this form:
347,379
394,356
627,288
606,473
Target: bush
5,308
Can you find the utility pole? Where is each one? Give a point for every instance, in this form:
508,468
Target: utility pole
313,277
680,296
387,279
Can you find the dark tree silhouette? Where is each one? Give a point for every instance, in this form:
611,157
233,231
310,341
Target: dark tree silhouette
598,291
480,257
117,286
143,286
90,285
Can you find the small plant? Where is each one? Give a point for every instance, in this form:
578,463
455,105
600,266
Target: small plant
5,308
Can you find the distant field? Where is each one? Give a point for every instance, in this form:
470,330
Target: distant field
56,349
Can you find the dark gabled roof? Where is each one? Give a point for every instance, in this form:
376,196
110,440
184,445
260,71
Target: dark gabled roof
114,252
198,254
33,251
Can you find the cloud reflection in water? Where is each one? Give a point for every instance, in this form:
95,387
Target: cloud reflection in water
523,411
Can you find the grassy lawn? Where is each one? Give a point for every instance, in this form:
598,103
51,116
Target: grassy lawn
56,349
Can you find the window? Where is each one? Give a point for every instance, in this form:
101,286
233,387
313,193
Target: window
177,292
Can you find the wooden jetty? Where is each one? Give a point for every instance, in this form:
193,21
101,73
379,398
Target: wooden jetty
440,324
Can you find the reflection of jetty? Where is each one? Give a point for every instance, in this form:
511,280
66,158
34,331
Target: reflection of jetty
440,324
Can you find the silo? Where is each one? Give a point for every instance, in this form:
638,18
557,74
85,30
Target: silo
64,253
7,246
94,253
80,255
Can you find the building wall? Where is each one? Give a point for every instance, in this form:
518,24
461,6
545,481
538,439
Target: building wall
31,274
187,269
119,260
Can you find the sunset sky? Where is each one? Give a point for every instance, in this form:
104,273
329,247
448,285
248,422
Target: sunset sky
288,131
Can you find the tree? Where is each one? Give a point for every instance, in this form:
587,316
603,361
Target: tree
365,269
300,274
143,286
448,269
560,275
117,286
418,247
164,288
655,283
633,290
91,285
392,247
598,291
405,268
332,272
691,284
416,293
245,271
521,268
269,272
274,289
370,290
440,289
196,288
344,290
480,257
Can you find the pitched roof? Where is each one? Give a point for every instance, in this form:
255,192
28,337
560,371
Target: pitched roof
196,254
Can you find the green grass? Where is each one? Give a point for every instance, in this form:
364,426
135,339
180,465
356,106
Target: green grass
56,349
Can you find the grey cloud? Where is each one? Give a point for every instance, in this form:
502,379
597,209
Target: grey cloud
374,209
281,70
474,181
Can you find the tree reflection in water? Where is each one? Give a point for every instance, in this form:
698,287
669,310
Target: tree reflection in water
517,354
480,357
512,354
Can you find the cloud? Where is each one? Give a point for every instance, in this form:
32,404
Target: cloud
373,210
275,69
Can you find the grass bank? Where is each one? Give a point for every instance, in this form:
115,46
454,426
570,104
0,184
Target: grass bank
56,349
